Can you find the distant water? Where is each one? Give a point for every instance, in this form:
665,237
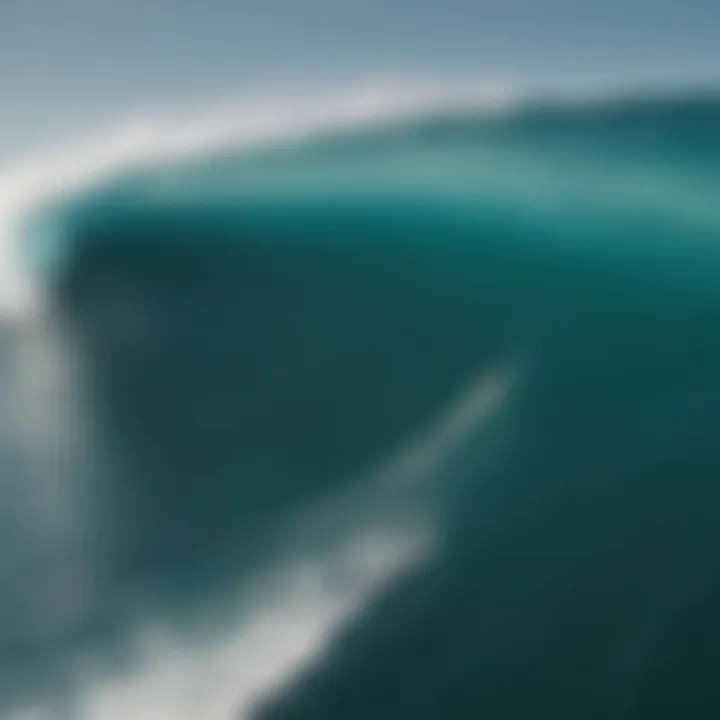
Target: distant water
412,421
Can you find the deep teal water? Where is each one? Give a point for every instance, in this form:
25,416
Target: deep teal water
258,330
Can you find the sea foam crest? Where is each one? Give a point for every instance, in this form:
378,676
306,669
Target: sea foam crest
45,177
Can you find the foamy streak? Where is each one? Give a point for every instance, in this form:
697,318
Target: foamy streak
289,614
173,679
47,176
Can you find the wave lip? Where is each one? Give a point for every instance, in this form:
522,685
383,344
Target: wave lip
47,177
154,139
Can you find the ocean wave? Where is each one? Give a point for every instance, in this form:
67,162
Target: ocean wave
267,318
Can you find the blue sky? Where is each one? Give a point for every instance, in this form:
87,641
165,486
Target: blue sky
68,64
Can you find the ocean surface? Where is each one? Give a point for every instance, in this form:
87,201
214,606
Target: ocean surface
414,418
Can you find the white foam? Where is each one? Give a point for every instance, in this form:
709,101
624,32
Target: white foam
154,137
171,679
335,563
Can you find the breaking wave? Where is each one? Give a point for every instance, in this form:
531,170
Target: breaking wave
399,404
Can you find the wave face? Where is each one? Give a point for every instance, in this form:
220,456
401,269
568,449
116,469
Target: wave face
415,419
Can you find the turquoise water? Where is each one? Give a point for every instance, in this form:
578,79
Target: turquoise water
503,329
